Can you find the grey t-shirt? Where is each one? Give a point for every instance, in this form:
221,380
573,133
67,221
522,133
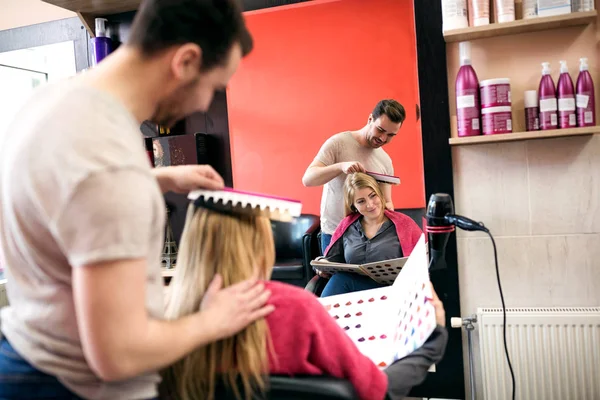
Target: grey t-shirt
342,147
76,187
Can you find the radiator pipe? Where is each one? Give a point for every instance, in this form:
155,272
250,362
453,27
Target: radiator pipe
467,322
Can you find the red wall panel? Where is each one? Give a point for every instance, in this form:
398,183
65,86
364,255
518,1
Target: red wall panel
319,68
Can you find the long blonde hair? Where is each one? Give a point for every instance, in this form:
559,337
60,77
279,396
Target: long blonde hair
233,246
357,181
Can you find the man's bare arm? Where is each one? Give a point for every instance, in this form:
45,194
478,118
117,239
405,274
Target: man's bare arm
387,195
318,174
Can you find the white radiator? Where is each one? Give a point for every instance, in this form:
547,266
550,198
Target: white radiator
554,351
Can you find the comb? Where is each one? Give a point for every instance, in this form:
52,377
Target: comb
392,180
239,202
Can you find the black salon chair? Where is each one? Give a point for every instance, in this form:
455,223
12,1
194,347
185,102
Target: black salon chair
297,388
317,284
296,244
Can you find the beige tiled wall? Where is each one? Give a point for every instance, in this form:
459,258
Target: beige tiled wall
541,201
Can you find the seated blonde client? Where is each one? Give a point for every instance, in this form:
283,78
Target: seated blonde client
369,233
298,338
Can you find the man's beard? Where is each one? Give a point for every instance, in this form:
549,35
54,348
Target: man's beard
374,143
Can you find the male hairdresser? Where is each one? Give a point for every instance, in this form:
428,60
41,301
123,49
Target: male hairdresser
353,151
82,214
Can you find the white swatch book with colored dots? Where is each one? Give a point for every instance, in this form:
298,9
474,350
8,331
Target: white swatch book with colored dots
389,323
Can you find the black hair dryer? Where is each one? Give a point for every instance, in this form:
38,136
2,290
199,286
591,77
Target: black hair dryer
441,222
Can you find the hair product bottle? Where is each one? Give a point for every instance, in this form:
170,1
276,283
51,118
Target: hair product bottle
479,12
586,104
454,15
566,98
468,110
532,116
547,98
101,44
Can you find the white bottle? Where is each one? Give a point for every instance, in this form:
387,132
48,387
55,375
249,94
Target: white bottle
582,5
505,10
530,9
454,15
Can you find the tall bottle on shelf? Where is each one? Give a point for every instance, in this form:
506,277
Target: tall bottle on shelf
101,44
547,98
468,111
566,98
586,104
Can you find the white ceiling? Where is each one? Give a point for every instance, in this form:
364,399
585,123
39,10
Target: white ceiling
16,13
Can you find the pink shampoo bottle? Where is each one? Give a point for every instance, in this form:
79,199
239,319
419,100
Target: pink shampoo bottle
566,98
547,99
586,104
468,109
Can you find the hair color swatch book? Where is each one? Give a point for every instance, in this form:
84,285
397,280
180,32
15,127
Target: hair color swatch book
241,202
383,272
383,178
389,323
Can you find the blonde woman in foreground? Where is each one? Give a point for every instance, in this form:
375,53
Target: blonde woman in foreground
298,338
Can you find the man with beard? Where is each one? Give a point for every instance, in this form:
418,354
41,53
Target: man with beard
349,152
82,214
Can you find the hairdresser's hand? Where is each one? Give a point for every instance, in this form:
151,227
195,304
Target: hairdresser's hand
351,167
440,313
185,178
231,309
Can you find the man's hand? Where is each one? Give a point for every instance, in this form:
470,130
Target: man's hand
389,206
185,178
351,167
232,309
440,313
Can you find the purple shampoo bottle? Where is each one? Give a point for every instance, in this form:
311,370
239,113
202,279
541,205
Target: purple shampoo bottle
101,44
468,112
586,104
566,98
547,98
